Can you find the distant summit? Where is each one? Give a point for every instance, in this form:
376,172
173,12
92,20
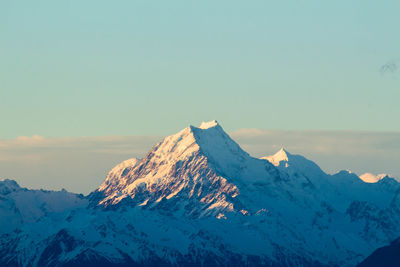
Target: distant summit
281,156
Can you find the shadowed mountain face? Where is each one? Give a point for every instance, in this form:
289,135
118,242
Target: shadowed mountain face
388,256
198,199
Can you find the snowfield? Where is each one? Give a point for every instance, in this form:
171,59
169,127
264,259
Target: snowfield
197,198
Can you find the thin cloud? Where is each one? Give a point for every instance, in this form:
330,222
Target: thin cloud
80,164
390,67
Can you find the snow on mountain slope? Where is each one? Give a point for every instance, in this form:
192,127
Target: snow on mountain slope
286,160
339,189
198,164
197,198
118,173
201,171
19,206
375,207
300,169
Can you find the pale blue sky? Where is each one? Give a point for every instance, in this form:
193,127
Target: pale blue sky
98,68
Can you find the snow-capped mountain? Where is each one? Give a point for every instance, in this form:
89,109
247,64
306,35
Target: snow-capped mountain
19,206
197,198
202,167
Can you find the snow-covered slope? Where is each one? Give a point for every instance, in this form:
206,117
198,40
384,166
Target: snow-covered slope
197,198
117,175
201,166
286,160
19,206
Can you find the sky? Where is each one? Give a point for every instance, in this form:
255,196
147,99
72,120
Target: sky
76,70
98,68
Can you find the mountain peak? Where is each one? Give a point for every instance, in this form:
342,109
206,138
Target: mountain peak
208,124
7,186
278,157
197,162
283,153
209,138
293,162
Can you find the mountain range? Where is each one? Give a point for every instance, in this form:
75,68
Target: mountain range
198,199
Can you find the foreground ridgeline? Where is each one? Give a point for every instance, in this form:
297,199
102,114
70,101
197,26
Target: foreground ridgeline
198,199
388,256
